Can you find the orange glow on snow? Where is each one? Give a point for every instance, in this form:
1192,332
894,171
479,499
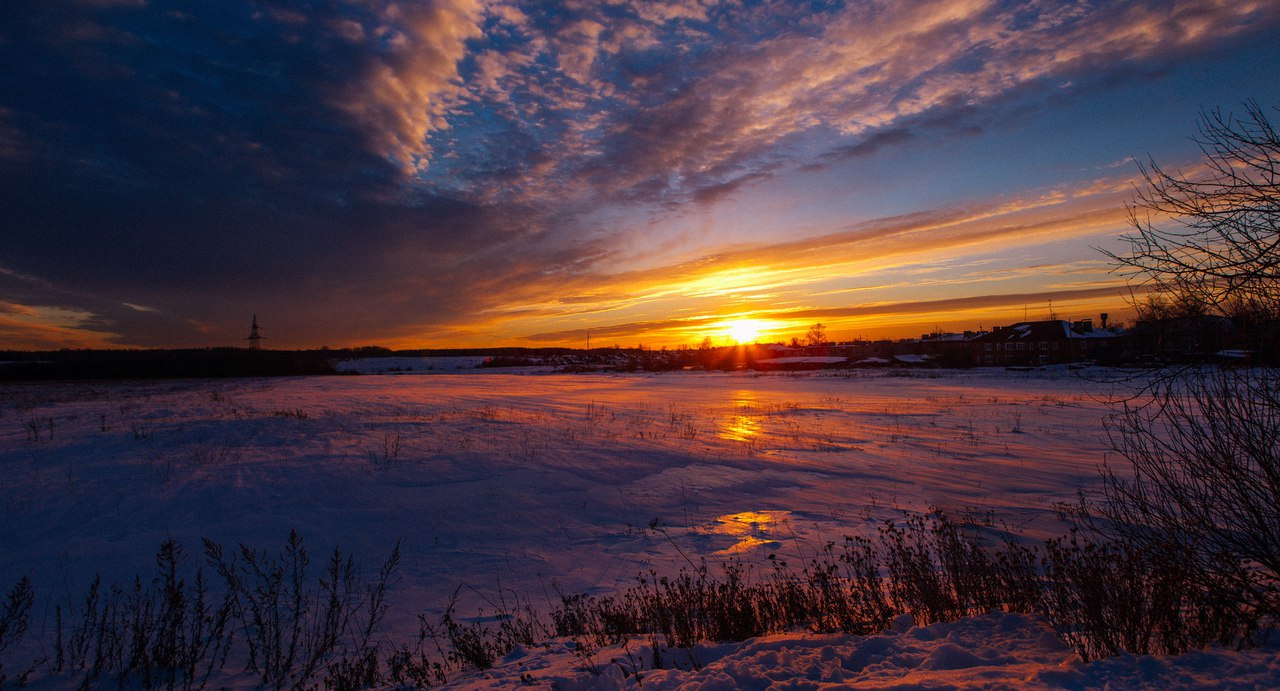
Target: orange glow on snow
750,528
742,424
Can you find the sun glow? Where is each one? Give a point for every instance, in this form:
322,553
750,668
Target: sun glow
744,330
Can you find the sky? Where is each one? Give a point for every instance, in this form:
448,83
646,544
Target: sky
469,173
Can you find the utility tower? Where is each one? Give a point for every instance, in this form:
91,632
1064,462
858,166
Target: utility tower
255,338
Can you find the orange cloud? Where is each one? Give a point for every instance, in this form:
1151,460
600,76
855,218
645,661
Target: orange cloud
26,327
410,90
882,317
960,262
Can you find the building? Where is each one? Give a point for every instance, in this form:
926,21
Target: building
1042,343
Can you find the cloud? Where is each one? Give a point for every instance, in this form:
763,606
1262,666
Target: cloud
213,162
961,308
392,170
707,115
992,247
40,327
1057,214
409,82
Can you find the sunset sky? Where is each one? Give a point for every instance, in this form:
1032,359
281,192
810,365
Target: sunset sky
468,173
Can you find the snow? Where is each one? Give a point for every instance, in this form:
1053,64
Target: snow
525,484
803,360
407,365
1094,334
998,650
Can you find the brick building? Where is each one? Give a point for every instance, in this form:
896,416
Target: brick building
1042,343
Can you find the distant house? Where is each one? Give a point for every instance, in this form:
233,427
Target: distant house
1042,343
938,349
1186,339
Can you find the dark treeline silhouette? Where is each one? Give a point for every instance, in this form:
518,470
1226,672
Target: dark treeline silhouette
162,364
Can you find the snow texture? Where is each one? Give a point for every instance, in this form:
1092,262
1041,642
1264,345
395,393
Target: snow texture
525,484
1009,651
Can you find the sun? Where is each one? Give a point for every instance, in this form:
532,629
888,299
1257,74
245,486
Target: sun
744,330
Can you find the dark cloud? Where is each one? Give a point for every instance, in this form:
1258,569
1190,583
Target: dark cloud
200,159
150,127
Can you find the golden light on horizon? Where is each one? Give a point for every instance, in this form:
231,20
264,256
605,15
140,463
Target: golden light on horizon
744,330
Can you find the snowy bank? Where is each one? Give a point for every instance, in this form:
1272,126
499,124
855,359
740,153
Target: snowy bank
993,651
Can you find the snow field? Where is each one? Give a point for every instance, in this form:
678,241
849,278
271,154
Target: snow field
524,485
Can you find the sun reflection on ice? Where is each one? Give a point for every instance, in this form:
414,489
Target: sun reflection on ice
751,528
743,422
740,428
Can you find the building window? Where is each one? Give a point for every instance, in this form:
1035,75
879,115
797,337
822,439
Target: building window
1022,346
988,347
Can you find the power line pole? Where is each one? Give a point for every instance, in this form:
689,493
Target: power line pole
255,338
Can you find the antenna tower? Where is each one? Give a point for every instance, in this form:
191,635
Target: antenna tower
255,338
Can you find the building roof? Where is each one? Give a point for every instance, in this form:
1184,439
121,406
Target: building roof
1051,330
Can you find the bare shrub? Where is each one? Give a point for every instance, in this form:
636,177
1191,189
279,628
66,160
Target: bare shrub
478,644
937,572
1209,243
15,616
1200,447
1139,598
169,635
1201,473
215,455
293,630
1104,598
844,590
